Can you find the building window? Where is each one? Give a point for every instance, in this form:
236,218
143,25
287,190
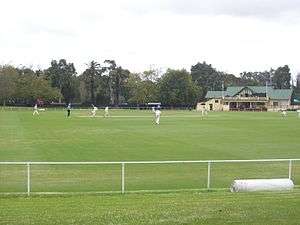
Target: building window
226,103
275,104
216,101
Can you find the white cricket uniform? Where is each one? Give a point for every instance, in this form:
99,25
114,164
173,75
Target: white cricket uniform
203,112
284,113
94,110
106,114
157,116
35,110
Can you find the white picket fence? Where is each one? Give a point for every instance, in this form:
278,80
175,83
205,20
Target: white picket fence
209,164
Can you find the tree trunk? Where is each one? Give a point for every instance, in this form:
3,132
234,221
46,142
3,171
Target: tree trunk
92,92
111,93
60,88
117,91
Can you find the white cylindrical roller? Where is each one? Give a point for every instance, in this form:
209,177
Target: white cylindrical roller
262,185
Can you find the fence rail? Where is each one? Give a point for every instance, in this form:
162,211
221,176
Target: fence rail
124,163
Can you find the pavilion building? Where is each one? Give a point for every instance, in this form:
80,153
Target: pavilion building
247,98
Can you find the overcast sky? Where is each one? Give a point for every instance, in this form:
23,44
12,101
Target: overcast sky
232,35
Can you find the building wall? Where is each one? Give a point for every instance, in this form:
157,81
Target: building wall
275,105
217,105
210,105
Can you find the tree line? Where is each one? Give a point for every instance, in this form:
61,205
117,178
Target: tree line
108,83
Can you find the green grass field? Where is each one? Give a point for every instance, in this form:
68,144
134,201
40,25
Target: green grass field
132,136
194,208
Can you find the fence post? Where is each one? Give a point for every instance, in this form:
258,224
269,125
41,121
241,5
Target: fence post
123,178
28,179
290,169
208,175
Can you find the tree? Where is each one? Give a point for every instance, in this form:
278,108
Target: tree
29,88
298,81
110,65
257,78
151,75
117,80
8,77
91,77
62,76
132,87
282,77
41,89
230,80
177,88
206,77
139,90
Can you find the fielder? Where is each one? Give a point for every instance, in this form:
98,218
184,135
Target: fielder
203,112
69,110
157,116
35,110
106,113
94,110
283,113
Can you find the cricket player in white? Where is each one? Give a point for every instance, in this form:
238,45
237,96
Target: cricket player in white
157,116
203,112
94,110
106,113
284,113
35,110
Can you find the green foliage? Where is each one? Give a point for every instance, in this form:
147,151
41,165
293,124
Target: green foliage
298,81
24,86
140,89
62,76
91,78
29,88
8,78
282,77
105,84
177,88
257,78
206,77
118,78
110,84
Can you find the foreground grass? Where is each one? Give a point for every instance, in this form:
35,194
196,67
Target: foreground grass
172,208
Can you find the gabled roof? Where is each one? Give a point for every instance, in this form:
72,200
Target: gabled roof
279,94
233,90
214,94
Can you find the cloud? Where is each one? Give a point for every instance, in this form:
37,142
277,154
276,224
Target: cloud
233,35
254,8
